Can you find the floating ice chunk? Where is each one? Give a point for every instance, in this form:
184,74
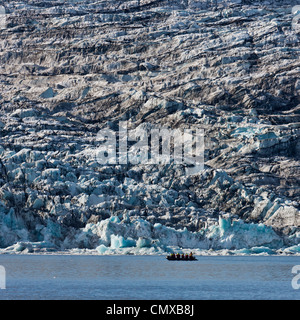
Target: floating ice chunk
20,247
101,249
258,250
30,247
255,250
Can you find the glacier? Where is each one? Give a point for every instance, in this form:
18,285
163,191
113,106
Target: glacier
230,68
137,236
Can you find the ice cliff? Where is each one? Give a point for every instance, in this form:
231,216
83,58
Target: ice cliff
71,68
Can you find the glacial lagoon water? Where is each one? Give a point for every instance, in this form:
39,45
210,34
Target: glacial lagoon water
64,277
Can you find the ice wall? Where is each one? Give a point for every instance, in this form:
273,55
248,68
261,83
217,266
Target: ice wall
137,236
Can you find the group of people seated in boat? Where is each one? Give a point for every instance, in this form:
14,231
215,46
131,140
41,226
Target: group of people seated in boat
182,256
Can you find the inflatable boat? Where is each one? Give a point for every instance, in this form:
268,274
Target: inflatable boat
180,258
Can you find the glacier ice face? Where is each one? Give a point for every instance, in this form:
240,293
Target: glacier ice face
238,234
192,65
143,243
153,232
117,241
116,234
292,249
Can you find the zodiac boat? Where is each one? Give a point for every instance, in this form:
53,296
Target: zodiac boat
180,258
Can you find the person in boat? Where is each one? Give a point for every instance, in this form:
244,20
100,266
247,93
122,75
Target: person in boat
191,256
172,255
186,257
182,256
177,256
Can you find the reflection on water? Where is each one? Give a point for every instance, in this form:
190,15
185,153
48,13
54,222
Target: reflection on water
147,277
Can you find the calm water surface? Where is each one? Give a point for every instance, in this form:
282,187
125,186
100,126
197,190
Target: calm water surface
147,277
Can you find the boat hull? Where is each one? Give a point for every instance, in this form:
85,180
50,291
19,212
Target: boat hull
180,259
